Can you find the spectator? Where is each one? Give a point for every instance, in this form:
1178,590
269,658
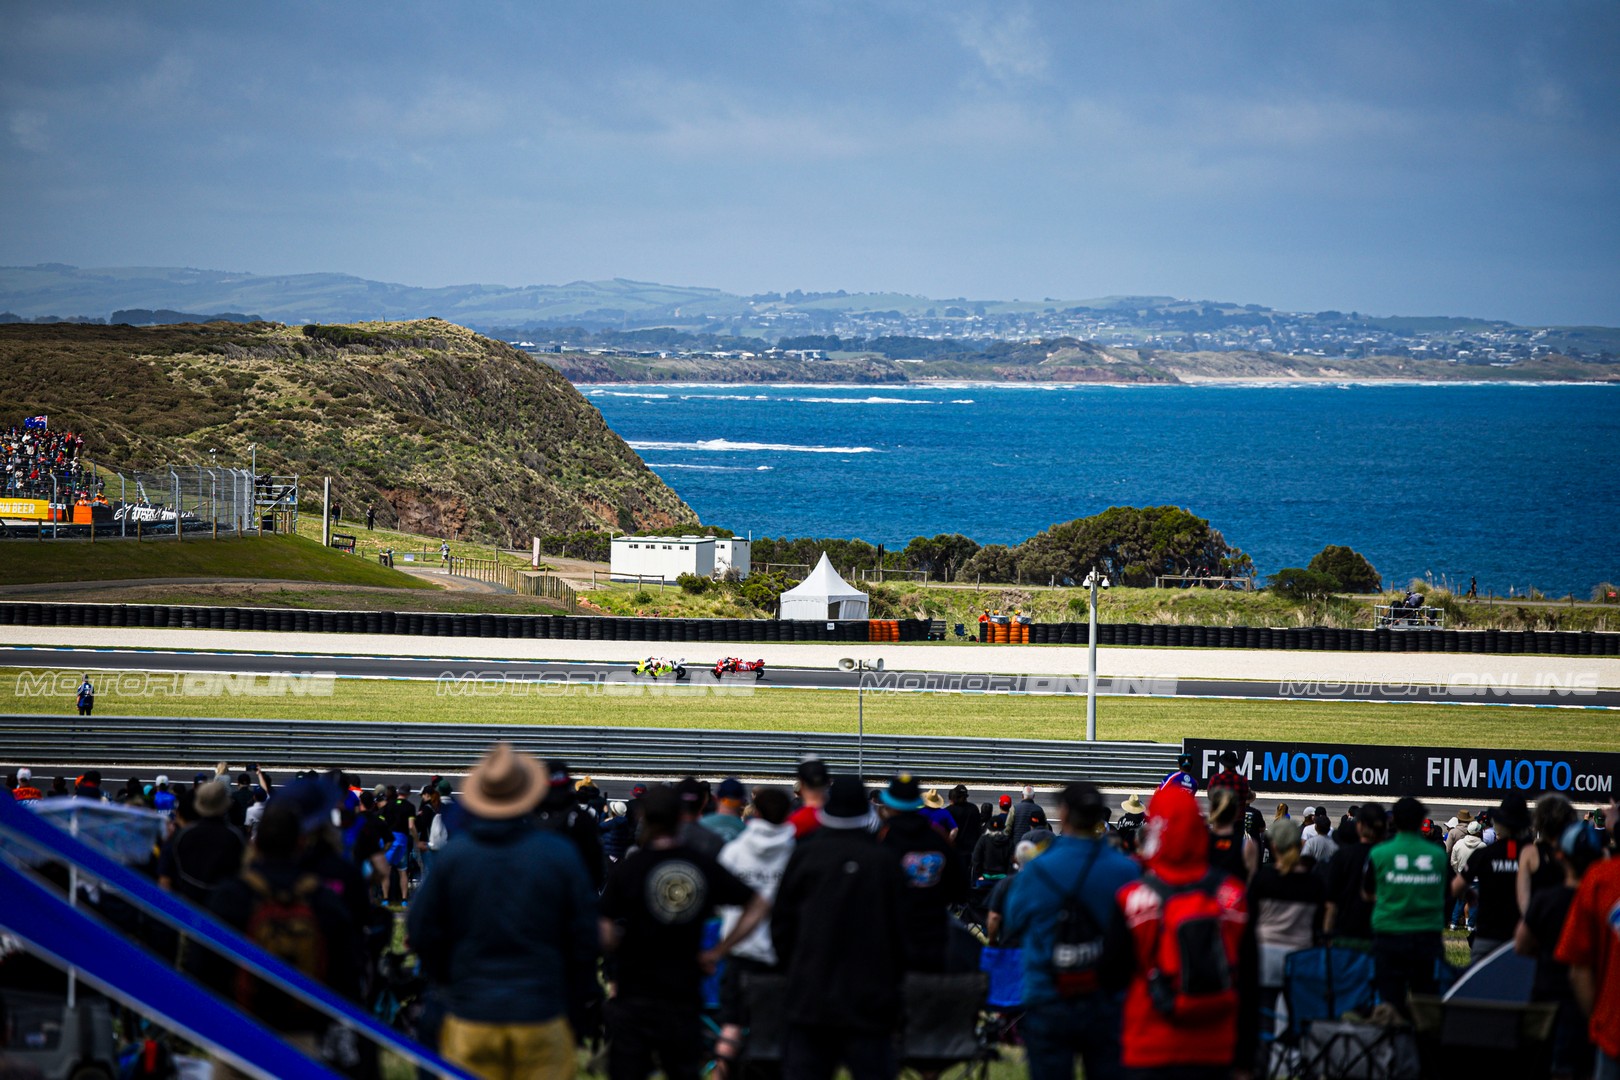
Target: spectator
1023,815
1184,777
241,799
1282,812
87,697
992,855
968,824
59,788
813,782
1319,845
1553,814
371,839
940,818
934,877
371,518
1591,948
1405,880
1286,903
206,851
25,791
506,925
758,856
1229,779
1182,1004
694,801
1538,934
400,817
162,797
838,928
1493,869
1059,910
255,813
1230,849
1034,843
653,911
619,829
446,818
1347,916
276,903
727,819
1129,825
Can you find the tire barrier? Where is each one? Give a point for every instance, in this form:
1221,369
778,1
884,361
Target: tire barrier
614,628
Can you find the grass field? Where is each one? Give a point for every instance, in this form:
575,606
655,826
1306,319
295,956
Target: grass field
290,557
747,708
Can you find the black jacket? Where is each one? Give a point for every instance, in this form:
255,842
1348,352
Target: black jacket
1020,824
933,878
838,928
992,855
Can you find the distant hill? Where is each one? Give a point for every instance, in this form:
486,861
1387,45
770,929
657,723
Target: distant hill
442,430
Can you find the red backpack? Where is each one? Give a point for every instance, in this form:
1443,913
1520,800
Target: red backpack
1191,973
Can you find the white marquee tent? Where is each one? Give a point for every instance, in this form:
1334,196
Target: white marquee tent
823,595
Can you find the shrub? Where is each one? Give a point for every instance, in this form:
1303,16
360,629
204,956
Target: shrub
1606,592
693,584
1349,568
642,598
1294,583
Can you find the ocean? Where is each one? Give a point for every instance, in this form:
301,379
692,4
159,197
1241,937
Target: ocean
1515,484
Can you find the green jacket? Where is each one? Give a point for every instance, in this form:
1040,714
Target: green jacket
1407,876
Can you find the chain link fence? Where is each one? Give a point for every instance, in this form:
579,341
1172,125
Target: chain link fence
188,500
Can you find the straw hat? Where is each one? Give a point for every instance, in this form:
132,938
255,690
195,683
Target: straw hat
504,784
1133,805
932,799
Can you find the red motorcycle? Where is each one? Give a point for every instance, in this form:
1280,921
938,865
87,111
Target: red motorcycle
733,666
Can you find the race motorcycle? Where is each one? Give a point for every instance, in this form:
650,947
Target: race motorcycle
656,666
733,666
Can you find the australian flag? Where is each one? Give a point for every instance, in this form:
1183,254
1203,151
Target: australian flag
36,423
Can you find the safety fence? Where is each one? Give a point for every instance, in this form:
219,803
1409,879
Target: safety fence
421,748
620,628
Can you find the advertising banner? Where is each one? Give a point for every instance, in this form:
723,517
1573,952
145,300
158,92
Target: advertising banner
1587,777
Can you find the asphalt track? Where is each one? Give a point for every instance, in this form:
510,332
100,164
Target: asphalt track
588,673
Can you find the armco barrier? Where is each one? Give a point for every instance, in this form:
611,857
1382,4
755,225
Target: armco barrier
371,747
612,628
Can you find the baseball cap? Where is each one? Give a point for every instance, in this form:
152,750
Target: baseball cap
731,788
693,793
1005,801
444,787
24,774
162,779
637,790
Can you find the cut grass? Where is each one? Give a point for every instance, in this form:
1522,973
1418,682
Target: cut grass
317,596
292,558
701,704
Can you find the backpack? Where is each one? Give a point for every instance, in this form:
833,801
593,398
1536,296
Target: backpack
1077,941
283,924
1191,981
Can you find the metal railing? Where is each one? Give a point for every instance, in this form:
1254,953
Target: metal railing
521,581
185,743
1401,617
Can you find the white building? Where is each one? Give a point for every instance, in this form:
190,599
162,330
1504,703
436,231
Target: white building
660,558
732,554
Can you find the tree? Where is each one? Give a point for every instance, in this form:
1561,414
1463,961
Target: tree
993,562
1349,568
1132,545
1293,583
941,556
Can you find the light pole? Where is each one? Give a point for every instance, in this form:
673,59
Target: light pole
1093,580
862,666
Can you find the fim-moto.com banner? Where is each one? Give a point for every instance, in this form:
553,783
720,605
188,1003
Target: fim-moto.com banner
1325,769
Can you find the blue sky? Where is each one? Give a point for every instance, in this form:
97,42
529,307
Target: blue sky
1394,158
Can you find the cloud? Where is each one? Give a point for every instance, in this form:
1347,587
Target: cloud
27,128
1006,41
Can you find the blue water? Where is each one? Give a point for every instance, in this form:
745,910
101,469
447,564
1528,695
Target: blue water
1518,485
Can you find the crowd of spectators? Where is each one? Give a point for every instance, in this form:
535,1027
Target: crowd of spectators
1151,939
34,457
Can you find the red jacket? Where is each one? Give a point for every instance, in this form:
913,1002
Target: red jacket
1174,844
25,793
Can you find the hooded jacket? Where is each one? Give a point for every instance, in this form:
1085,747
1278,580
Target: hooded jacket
1463,850
506,923
1174,847
992,855
758,857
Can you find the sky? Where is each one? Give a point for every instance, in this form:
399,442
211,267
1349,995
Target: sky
1458,158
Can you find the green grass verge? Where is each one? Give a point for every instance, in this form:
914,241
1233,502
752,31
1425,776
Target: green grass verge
699,705
290,557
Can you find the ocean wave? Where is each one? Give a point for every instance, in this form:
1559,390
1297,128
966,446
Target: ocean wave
702,468
625,393
863,401
962,401
720,445
725,397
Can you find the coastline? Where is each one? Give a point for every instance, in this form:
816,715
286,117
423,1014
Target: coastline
1213,382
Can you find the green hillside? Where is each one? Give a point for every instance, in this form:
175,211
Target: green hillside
444,431
268,558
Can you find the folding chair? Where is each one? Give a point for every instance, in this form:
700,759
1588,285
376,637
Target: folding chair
1319,986
941,1027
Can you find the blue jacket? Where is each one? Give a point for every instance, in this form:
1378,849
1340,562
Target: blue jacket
506,923
1038,894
